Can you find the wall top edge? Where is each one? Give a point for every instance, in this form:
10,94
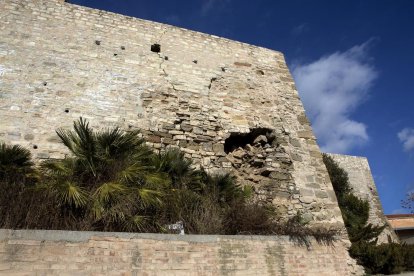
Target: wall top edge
215,37
345,155
83,236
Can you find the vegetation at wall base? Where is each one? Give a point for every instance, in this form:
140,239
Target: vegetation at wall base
386,258
112,181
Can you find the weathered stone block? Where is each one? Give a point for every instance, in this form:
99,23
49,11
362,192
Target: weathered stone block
218,148
305,134
154,139
279,176
186,127
307,192
28,137
321,194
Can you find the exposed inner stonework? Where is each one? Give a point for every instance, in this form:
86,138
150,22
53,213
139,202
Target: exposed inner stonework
229,106
256,136
259,160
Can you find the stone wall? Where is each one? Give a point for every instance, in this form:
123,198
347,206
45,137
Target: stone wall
363,186
229,106
25,252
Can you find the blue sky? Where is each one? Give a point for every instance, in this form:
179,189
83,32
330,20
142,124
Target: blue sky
353,63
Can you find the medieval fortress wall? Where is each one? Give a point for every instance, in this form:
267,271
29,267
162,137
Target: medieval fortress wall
229,106
60,61
363,186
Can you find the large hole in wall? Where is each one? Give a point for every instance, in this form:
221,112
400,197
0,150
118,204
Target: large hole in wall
256,135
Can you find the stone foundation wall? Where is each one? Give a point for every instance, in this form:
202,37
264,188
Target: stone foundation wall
229,106
363,186
38,252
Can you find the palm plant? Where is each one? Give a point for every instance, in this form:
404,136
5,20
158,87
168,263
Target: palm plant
179,169
15,162
108,178
16,172
183,196
197,198
226,189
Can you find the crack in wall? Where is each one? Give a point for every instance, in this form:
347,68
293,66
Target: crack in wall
211,82
165,74
163,59
161,36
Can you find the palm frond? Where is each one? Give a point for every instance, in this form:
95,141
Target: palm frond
58,168
81,142
15,155
133,172
136,223
108,192
115,214
97,210
179,168
149,197
157,180
66,193
14,160
248,191
225,187
115,143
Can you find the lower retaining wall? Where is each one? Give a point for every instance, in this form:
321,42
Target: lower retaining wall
39,252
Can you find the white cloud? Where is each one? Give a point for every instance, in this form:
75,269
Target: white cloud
406,136
332,88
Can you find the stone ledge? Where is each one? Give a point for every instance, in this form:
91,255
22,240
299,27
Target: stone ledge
83,236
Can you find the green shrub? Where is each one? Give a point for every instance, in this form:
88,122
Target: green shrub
15,163
388,258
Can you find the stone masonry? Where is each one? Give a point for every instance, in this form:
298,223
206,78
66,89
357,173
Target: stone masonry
35,252
363,186
228,105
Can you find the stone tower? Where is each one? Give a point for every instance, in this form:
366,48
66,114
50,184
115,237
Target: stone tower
363,186
229,106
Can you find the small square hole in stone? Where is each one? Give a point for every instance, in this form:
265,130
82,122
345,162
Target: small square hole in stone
156,48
